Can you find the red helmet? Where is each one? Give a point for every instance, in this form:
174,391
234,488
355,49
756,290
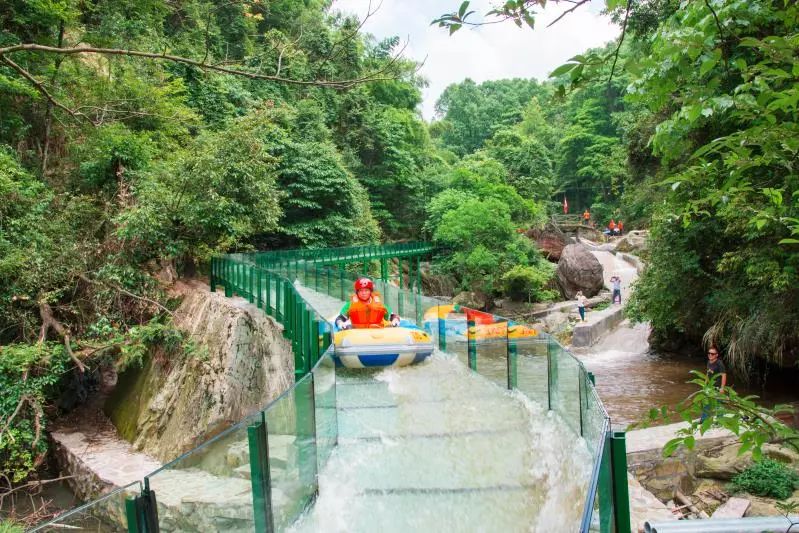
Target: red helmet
364,283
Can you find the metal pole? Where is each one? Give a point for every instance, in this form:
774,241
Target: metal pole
268,307
621,495
512,358
400,295
260,295
471,342
260,477
212,277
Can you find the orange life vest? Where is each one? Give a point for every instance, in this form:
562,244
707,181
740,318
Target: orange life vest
367,314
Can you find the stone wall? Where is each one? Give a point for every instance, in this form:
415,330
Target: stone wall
586,334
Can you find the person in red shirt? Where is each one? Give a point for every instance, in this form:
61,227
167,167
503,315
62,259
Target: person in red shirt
365,309
620,227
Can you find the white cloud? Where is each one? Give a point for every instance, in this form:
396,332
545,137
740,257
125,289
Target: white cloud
484,53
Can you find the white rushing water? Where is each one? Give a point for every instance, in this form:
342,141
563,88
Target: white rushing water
436,447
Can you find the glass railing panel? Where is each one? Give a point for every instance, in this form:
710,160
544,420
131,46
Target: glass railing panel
531,366
325,406
105,514
293,466
209,487
564,382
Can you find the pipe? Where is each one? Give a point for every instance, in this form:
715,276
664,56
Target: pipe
753,524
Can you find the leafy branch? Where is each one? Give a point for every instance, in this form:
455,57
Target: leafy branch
710,407
389,71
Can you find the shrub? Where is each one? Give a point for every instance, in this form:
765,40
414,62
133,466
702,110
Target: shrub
524,282
767,478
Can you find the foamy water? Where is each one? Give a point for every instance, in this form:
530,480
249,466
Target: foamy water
436,447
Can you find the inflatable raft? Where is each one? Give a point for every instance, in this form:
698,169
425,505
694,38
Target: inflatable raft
404,345
487,327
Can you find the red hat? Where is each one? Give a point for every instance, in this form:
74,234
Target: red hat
364,283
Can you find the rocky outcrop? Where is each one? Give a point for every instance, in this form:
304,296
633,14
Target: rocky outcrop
241,362
550,241
633,242
579,270
473,300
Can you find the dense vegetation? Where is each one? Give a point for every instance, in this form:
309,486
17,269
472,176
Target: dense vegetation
118,173
277,124
689,124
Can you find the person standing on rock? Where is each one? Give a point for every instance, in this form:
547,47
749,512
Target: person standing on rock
616,282
581,304
587,217
715,367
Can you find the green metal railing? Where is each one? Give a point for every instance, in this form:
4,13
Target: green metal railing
261,473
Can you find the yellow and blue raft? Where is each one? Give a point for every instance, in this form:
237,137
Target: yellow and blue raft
404,345
487,327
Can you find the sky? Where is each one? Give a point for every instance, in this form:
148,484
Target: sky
484,53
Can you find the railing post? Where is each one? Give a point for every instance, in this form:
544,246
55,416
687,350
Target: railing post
512,358
621,494
418,291
471,342
279,300
384,269
142,511
341,279
260,477
551,372
442,331
259,288
296,338
399,295
329,280
228,280
268,307
212,277
316,339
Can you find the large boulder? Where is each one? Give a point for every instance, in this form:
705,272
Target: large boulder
579,270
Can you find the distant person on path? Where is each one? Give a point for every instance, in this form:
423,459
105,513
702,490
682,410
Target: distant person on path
620,227
365,309
611,227
586,217
581,304
715,367
616,282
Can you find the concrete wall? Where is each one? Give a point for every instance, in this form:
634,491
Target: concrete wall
586,334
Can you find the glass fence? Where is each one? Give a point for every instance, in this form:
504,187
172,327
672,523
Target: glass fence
261,474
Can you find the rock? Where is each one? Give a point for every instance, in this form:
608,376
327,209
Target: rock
241,363
726,463
732,508
474,300
550,241
722,464
578,269
553,321
634,241
767,506
644,506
